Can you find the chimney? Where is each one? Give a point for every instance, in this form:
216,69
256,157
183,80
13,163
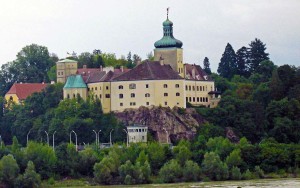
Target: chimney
84,66
161,61
122,69
101,68
194,72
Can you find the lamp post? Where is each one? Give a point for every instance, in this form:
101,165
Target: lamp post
28,136
110,137
47,137
99,138
53,140
75,138
167,135
127,140
96,142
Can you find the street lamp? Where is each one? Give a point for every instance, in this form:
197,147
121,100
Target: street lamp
53,140
167,135
127,140
96,142
110,137
75,138
99,138
47,137
28,136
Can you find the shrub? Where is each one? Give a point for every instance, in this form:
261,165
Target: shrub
247,175
170,172
236,173
191,171
31,179
9,170
258,172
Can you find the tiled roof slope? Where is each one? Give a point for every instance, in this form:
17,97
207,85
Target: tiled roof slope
93,75
200,74
149,71
75,81
23,90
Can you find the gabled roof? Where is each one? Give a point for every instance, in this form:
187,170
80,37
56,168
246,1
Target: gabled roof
195,72
149,71
75,81
23,90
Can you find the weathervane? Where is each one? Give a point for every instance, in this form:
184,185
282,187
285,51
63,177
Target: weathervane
168,12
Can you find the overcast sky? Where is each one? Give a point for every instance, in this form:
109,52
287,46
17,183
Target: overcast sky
120,26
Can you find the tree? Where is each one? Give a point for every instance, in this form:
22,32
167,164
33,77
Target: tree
30,177
150,56
228,65
234,159
9,170
257,54
191,171
213,167
206,65
266,68
242,56
170,172
235,173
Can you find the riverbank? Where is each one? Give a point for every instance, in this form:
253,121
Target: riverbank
262,183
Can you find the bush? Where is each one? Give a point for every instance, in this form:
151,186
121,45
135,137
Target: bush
247,175
191,171
213,167
31,179
170,172
9,170
236,173
258,172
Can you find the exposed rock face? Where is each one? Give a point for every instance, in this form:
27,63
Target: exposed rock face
179,123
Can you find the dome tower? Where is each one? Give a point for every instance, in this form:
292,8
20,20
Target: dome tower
169,48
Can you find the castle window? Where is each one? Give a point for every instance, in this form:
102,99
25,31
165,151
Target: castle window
187,99
186,88
96,88
132,103
197,88
121,104
165,94
68,96
106,87
74,95
132,95
147,85
166,103
107,96
165,86
121,96
177,85
147,103
177,94
100,96
189,88
200,88
193,88
197,99
190,99
147,95
132,86
58,73
194,99
62,73
120,87
201,100
206,99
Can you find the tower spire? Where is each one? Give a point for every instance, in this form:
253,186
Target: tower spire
168,12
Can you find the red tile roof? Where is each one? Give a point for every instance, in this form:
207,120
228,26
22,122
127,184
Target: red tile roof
26,89
195,72
149,70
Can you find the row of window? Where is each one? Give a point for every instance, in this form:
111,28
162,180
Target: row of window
147,103
133,86
137,130
198,88
92,88
74,96
132,95
60,73
197,99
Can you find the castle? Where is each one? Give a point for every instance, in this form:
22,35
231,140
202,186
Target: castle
166,81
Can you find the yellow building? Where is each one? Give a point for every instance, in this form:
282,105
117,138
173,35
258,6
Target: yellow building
20,91
65,68
166,82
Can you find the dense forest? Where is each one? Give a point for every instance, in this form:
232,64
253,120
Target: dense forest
260,104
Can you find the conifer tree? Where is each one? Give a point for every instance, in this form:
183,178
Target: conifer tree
242,62
257,54
228,65
206,65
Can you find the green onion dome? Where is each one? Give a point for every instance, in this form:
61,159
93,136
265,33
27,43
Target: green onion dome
168,40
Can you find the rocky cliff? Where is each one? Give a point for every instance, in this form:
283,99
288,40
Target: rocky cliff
162,122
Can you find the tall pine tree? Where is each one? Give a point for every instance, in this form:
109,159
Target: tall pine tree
228,65
206,65
242,62
257,54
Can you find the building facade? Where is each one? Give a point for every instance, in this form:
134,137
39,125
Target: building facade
166,81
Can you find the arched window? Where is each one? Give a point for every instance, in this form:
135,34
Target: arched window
165,85
147,95
120,87
177,94
121,96
177,85
132,95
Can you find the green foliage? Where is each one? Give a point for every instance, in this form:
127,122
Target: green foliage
157,156
9,170
31,179
206,65
258,172
42,156
190,171
228,65
235,173
221,146
135,174
170,172
234,159
182,152
257,54
247,175
213,167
